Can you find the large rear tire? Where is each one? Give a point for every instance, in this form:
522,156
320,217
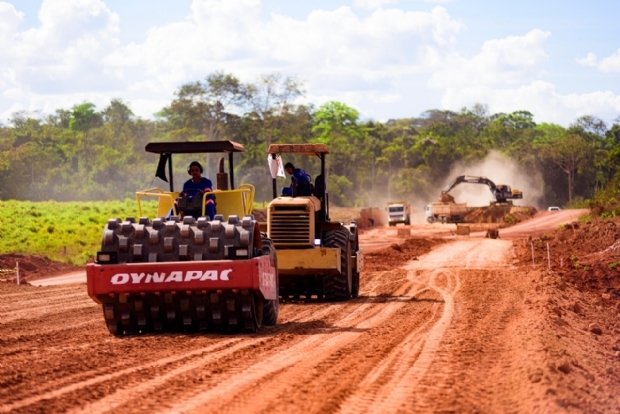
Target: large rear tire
355,291
271,307
355,249
339,287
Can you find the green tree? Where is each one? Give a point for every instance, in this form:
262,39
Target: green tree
268,99
117,114
569,152
336,118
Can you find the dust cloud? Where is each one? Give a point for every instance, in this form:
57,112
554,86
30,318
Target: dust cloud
501,170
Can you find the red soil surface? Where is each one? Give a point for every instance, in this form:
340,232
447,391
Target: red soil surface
442,324
32,267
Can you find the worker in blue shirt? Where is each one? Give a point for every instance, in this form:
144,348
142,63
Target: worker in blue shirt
198,185
300,185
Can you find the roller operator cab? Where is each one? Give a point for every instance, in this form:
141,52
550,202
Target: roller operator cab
505,192
182,270
316,257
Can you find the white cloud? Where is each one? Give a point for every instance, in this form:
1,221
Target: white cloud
610,63
507,75
589,60
373,4
75,53
538,97
10,18
62,55
334,50
387,60
512,60
60,61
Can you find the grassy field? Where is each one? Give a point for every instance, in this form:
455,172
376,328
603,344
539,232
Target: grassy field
69,232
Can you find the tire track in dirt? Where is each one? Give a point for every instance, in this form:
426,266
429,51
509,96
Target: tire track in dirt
393,381
482,368
127,393
348,313
42,311
96,378
30,302
401,389
44,303
341,367
266,394
303,355
353,310
91,378
31,291
52,333
344,315
373,353
306,313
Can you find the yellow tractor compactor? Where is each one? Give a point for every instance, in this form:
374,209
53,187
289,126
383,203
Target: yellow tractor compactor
184,271
316,257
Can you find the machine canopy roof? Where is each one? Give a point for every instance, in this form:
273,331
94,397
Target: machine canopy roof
193,147
299,149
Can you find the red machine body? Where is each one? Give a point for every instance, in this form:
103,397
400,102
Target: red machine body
127,278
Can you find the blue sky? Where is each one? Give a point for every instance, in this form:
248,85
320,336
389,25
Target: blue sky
387,58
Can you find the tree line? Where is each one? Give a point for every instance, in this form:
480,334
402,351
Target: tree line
90,153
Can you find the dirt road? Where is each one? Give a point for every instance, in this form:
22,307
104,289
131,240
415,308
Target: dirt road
543,222
453,330
391,349
65,279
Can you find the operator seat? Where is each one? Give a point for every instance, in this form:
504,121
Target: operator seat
319,187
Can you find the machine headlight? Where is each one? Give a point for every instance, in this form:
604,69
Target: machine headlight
107,257
233,253
241,253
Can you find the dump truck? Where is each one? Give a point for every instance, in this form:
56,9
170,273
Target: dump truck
398,212
181,270
446,212
316,257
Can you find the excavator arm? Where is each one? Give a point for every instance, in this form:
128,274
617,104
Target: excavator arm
501,193
469,179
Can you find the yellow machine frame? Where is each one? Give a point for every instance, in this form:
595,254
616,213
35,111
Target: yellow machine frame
237,202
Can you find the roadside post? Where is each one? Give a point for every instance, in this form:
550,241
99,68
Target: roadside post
17,271
532,243
548,258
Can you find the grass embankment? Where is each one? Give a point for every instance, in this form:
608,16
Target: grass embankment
65,231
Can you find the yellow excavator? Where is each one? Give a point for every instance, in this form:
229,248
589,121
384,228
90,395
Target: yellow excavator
502,193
